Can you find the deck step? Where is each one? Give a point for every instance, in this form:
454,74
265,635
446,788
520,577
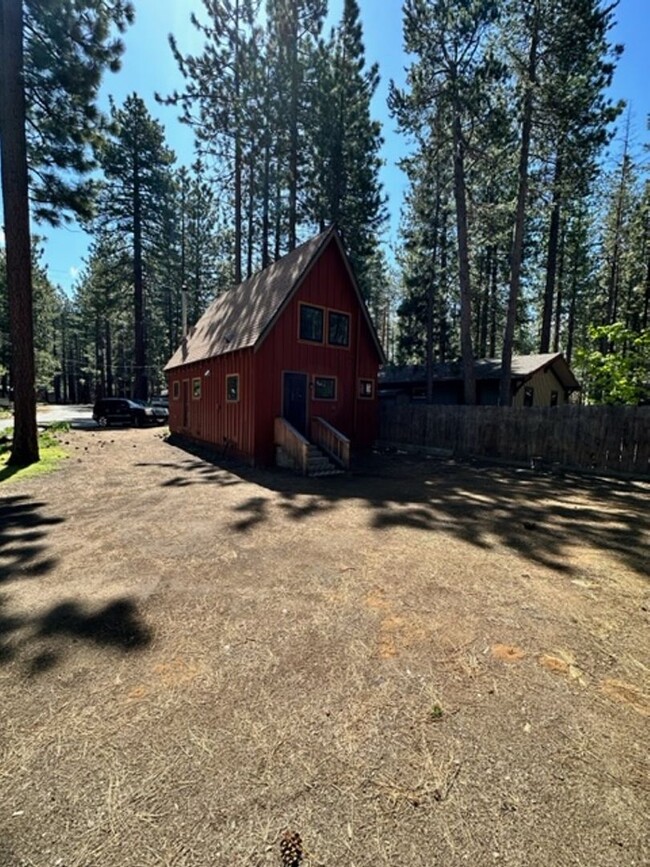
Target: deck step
319,464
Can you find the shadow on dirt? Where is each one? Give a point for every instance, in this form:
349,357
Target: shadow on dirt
42,641
23,528
49,634
540,516
194,472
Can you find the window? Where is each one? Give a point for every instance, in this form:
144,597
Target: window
324,388
529,394
311,323
554,398
196,388
338,328
232,388
176,390
366,389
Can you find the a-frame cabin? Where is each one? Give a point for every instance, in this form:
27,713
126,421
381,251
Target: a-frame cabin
286,359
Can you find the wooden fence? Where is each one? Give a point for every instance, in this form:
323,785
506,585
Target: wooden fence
601,439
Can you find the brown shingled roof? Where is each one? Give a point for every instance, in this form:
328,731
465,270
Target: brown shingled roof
238,318
523,367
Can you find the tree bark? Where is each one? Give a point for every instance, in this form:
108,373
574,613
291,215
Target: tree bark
516,255
551,260
559,298
460,197
15,199
140,352
238,151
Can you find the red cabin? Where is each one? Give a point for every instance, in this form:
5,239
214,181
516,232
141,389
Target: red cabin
284,361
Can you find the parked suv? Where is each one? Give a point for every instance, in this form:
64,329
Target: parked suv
160,411
120,410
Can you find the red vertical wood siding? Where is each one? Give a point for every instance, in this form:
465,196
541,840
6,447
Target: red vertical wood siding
327,285
211,418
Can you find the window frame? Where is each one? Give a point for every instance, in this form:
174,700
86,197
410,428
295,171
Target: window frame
176,389
333,379
555,398
529,395
331,311
234,376
197,380
362,382
309,340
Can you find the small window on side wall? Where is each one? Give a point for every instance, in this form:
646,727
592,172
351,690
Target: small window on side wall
232,388
311,323
176,390
196,388
554,398
324,388
366,389
338,328
529,395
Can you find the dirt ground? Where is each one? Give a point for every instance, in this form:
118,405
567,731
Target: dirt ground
421,663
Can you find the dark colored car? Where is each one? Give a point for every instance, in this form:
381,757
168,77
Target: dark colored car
160,410
121,410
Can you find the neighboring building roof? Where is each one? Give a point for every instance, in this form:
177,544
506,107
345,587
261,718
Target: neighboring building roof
523,367
242,317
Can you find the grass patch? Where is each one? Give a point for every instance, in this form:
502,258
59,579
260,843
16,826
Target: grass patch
51,454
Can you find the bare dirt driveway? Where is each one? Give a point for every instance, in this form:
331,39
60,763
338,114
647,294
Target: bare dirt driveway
419,664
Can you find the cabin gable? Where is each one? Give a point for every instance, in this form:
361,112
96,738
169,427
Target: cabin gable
294,341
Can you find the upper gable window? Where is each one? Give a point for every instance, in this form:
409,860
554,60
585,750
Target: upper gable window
338,328
311,323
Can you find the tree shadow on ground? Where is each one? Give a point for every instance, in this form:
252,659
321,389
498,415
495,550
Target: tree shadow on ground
41,639
539,515
195,472
23,529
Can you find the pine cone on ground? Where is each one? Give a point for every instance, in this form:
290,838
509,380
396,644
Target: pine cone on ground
291,850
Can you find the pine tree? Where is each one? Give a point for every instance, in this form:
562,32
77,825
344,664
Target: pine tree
578,62
451,77
213,100
67,45
293,27
344,186
136,164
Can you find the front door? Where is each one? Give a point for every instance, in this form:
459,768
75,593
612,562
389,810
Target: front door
294,400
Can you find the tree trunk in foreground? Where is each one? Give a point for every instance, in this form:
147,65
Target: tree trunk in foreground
15,199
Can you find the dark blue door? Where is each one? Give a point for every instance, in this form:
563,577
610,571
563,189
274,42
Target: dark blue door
294,400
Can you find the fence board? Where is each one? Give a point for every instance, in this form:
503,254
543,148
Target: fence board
614,439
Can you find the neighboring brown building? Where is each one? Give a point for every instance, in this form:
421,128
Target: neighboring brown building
287,358
537,380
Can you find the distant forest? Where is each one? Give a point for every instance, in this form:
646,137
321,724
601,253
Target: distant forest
517,235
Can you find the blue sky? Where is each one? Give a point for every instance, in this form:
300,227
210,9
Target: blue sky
148,66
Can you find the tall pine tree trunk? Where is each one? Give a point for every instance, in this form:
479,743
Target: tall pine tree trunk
551,260
431,299
559,300
517,252
293,132
493,303
140,352
460,198
108,343
238,150
266,194
15,198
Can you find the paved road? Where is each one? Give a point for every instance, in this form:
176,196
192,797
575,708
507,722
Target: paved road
79,415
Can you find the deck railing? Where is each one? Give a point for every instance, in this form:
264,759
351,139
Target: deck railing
331,441
293,443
